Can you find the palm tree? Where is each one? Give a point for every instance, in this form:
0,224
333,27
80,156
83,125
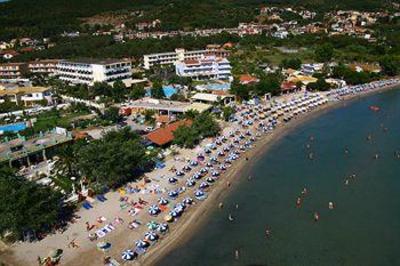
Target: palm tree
66,165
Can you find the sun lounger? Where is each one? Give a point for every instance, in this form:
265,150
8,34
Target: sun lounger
87,205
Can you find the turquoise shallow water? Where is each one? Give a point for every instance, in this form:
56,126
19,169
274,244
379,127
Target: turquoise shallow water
364,229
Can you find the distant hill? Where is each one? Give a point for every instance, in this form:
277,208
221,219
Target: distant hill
49,17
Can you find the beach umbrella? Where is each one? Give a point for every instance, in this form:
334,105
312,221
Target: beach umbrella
103,245
188,201
221,153
209,164
200,195
215,173
163,201
154,210
210,180
222,167
190,183
203,170
197,175
180,173
141,244
152,236
180,205
128,255
174,213
187,168
163,228
193,163
172,180
152,225
207,151
173,194
204,185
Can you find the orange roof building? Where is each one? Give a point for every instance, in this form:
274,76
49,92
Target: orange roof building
247,79
165,135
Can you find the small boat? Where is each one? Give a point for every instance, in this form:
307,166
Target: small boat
316,216
331,205
298,202
374,108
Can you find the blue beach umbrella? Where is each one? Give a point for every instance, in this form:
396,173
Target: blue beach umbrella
128,255
163,228
154,210
172,180
200,195
163,201
196,176
173,194
190,183
210,180
174,213
180,173
204,185
215,173
152,236
188,201
141,244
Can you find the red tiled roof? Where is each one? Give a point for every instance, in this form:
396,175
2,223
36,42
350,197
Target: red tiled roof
246,78
287,85
165,134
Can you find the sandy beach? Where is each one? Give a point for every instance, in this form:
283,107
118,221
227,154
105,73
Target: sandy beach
193,218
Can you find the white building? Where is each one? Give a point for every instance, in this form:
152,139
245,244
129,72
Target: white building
171,58
89,71
27,96
210,68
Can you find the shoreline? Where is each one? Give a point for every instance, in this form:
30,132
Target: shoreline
195,219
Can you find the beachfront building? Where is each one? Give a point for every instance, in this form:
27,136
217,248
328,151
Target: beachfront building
171,58
210,98
26,96
162,107
46,67
207,68
89,71
165,135
13,71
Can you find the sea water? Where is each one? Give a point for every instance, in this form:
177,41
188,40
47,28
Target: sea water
364,227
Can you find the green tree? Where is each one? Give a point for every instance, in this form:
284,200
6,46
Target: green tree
227,112
293,63
324,52
320,85
157,91
112,114
137,92
26,206
185,136
206,125
114,159
390,66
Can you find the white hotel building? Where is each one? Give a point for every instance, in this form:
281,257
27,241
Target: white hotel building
89,71
171,58
210,67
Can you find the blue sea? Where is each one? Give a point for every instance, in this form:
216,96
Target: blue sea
364,227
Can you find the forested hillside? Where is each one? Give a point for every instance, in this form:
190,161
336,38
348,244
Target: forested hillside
50,17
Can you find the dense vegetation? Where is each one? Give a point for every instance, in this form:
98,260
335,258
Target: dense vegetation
43,18
203,126
26,206
113,160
